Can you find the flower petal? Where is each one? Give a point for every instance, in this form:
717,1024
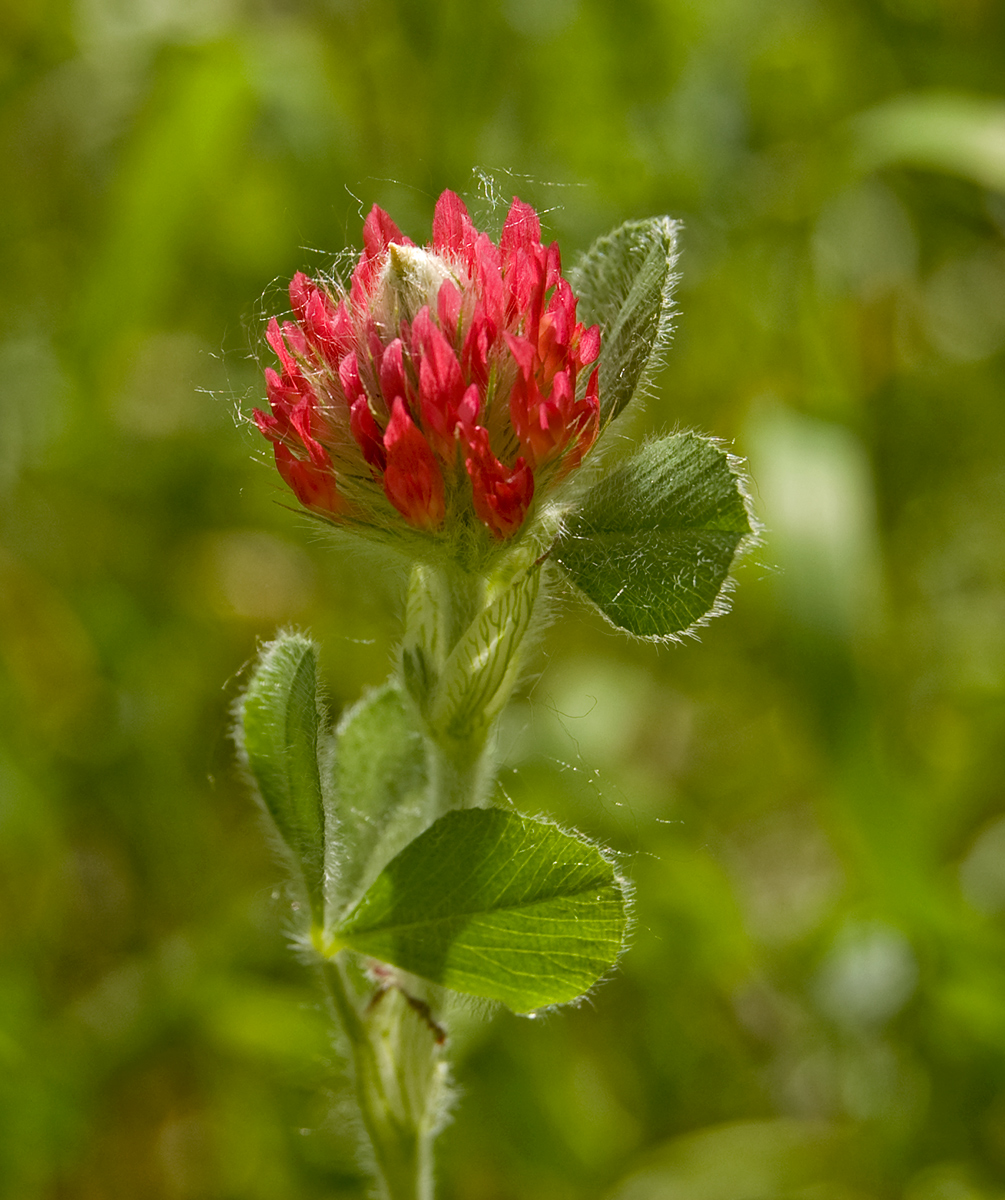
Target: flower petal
412,479
501,495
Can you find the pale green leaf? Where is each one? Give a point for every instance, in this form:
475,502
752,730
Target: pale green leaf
380,780
653,542
279,736
625,285
496,905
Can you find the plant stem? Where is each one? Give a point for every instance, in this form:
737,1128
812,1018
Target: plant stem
399,1076
460,776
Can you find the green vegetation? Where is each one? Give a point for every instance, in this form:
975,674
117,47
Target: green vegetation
809,803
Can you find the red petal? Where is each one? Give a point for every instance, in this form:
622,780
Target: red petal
523,353
314,486
441,384
552,265
348,373
521,231
392,372
300,293
589,345
453,231
412,479
268,425
364,428
467,411
325,323
562,311
379,231
278,392
275,339
448,309
295,339
544,424
478,343
500,495
492,296
303,418
588,421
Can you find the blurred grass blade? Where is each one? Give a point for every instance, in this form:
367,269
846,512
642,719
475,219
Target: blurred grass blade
625,284
655,538
176,159
947,131
739,1160
495,905
279,722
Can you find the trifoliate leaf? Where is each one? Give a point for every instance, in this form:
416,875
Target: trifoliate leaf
279,734
625,284
495,905
653,542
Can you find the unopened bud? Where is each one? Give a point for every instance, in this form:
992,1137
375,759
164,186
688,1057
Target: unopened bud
410,281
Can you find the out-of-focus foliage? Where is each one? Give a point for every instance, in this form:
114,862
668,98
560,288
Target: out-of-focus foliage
810,802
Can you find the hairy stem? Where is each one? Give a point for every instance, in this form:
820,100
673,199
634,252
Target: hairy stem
399,1075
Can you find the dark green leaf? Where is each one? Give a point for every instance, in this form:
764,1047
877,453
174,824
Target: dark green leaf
279,723
654,540
625,284
496,905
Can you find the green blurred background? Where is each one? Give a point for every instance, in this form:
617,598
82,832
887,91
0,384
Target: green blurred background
810,801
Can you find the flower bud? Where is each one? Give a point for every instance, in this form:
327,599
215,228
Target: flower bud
409,282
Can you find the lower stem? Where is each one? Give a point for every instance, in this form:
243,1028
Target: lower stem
398,1076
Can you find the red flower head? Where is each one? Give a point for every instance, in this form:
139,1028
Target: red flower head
445,382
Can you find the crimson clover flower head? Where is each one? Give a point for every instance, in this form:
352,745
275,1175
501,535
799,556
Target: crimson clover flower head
447,386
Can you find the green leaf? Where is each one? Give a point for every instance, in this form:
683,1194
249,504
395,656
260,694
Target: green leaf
655,538
495,905
625,285
278,734
380,779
